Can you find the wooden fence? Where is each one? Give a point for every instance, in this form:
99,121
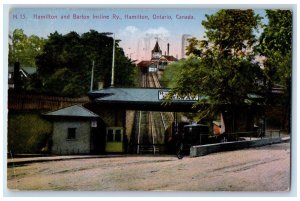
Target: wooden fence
18,101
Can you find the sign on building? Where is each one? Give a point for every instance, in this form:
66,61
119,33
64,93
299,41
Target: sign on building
152,69
162,94
94,124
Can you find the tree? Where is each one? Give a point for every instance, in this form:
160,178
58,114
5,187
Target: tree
276,46
64,67
172,73
223,71
277,35
195,46
24,49
232,30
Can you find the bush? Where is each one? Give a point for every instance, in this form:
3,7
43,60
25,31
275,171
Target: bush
28,133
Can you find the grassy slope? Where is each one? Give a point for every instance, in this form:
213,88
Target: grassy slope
27,133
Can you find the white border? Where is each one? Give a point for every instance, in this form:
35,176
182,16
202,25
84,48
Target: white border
212,3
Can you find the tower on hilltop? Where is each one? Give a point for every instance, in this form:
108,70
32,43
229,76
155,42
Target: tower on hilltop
156,52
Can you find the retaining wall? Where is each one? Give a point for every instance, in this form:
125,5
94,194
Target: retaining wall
202,150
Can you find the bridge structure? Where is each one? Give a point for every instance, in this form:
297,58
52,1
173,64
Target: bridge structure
142,113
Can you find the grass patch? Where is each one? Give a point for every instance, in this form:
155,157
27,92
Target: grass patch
27,133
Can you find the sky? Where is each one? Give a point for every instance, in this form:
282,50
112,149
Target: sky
138,36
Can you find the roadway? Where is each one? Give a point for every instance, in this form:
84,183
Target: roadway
257,169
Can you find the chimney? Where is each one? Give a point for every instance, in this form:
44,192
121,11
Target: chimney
168,49
100,85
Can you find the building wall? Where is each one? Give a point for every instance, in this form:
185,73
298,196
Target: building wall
35,102
112,117
184,44
277,118
79,145
130,114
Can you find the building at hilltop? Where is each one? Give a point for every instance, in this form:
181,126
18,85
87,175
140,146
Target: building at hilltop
184,44
158,60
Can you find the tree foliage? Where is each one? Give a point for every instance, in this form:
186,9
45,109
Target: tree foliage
277,35
65,65
24,49
231,29
171,74
276,46
221,69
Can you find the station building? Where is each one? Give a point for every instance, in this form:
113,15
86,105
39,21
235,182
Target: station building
158,61
106,123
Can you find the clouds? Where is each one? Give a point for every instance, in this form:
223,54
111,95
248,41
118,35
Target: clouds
133,31
160,32
129,30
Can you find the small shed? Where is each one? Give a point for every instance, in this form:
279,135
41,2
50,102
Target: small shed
73,130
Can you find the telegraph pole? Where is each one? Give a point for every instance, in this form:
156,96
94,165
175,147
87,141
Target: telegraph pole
92,77
113,65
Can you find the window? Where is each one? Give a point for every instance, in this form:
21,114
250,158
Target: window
71,134
118,135
114,134
110,135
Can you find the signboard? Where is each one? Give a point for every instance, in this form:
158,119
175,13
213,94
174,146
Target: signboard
152,69
94,124
163,93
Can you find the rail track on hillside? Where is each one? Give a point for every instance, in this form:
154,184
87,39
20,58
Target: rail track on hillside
150,126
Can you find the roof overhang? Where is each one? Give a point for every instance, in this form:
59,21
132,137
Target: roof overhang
72,112
146,99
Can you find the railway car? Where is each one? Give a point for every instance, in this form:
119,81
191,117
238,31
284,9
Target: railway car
162,65
195,134
189,134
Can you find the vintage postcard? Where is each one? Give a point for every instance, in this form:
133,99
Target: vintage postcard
168,99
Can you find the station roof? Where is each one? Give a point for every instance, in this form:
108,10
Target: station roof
146,99
145,64
73,111
169,58
139,99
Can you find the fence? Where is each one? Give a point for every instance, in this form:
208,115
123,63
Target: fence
18,101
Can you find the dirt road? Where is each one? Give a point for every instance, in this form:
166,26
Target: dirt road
259,169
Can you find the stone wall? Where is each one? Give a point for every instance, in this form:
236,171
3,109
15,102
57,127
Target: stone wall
202,150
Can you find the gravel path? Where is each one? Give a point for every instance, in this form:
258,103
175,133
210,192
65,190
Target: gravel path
259,169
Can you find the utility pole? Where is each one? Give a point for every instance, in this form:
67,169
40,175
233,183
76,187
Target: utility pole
92,77
113,65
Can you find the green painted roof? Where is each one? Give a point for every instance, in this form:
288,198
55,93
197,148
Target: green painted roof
73,111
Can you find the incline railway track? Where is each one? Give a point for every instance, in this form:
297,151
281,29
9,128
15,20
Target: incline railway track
167,117
150,126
